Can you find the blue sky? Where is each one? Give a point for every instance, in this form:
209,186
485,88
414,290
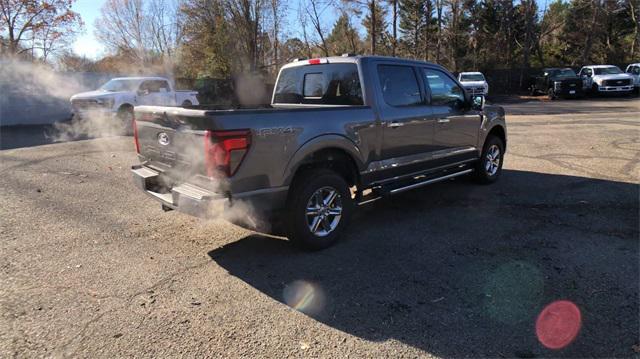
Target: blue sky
87,45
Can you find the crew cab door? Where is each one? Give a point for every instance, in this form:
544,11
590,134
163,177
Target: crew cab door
456,125
634,70
407,124
154,93
586,74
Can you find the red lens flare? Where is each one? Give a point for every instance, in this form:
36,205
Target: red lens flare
558,324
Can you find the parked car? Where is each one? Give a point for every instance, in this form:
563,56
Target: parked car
342,132
474,83
601,79
557,82
634,71
119,96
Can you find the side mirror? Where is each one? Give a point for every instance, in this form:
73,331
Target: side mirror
477,102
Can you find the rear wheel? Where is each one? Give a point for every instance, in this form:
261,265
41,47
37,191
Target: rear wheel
489,168
186,103
319,206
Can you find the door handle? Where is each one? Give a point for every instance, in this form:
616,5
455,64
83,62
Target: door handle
443,120
395,124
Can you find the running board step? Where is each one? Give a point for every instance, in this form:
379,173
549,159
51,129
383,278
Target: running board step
429,181
416,182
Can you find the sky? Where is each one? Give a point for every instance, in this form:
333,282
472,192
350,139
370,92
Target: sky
87,45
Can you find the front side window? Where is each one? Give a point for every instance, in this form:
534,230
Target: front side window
444,91
399,85
587,72
150,86
325,84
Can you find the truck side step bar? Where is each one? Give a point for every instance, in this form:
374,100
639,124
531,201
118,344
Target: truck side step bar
429,181
416,182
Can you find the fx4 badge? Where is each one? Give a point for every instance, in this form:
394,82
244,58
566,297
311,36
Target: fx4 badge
264,132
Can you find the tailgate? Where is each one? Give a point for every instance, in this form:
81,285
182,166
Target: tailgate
168,139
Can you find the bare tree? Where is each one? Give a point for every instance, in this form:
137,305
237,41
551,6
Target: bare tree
635,14
314,15
394,26
277,11
45,25
246,16
121,28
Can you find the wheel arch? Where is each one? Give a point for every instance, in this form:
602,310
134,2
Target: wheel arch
500,132
125,106
329,151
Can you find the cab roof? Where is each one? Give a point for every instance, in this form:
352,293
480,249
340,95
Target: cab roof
140,78
348,58
600,66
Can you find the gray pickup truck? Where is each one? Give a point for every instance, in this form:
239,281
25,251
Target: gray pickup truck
340,132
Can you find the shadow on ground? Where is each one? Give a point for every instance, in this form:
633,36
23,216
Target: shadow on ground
460,270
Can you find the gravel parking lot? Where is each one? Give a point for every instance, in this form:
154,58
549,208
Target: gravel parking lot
92,267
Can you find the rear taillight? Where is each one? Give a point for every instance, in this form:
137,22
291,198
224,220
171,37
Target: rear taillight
225,150
135,135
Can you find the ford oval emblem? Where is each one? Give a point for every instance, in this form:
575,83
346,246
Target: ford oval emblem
163,139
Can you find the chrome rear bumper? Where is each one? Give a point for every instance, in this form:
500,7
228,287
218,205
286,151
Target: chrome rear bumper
185,198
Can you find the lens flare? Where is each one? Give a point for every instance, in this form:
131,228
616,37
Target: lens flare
305,297
558,324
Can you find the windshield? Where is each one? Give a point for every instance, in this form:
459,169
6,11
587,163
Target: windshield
471,77
562,73
612,70
120,85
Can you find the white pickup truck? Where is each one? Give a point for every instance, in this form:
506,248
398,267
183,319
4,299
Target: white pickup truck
600,79
634,71
119,96
474,82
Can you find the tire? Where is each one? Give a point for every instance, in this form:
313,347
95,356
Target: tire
308,191
125,115
186,103
484,172
552,94
532,91
594,90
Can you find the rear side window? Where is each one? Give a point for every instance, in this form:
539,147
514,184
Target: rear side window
326,84
399,85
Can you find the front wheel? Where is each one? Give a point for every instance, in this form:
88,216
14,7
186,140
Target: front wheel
125,115
551,94
319,207
489,168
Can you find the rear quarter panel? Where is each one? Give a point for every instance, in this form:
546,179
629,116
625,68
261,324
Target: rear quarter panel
281,138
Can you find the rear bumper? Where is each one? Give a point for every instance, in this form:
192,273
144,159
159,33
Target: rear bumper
199,202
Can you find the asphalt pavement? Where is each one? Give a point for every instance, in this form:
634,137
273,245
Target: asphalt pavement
91,267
